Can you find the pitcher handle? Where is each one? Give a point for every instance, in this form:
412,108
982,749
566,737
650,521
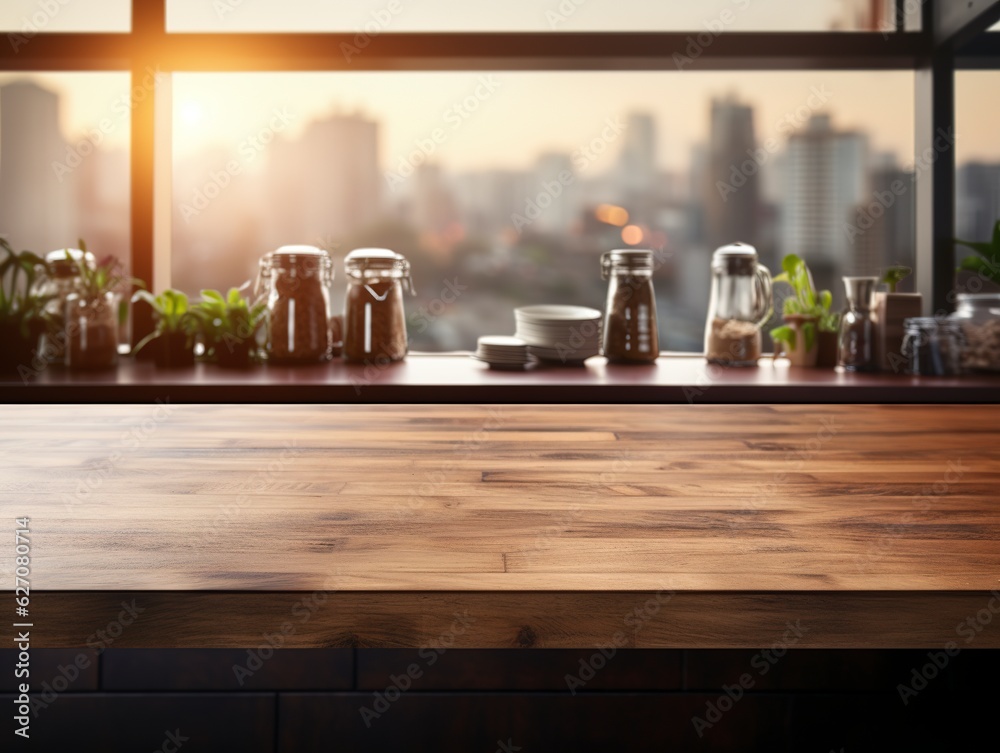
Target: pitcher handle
765,305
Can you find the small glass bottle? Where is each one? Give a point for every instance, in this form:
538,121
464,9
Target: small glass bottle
296,281
91,328
740,303
857,326
933,347
630,334
374,317
62,280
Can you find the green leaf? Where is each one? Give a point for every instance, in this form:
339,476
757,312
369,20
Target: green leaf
234,297
825,299
145,295
986,249
790,264
784,334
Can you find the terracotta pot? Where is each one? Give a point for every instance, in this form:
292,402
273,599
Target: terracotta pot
890,310
799,356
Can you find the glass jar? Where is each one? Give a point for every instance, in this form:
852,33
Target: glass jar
296,281
857,325
61,281
979,315
91,331
630,334
741,302
374,317
933,347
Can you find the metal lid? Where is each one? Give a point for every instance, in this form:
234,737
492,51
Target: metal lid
626,259
928,323
299,251
378,262
293,257
978,299
68,267
736,250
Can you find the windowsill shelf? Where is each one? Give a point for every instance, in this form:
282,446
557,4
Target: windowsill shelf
455,378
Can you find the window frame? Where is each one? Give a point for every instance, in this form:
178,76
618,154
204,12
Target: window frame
951,37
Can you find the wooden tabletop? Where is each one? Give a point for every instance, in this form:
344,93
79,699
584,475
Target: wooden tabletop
457,379
559,526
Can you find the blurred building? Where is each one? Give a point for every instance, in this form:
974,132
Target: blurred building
37,200
731,188
827,180
886,220
977,200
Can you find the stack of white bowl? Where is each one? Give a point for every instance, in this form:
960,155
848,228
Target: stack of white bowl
503,352
563,334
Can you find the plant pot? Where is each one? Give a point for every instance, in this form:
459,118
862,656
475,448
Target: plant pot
173,350
799,355
234,354
20,354
890,310
92,332
827,346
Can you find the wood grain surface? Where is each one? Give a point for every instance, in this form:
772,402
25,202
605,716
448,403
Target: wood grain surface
550,525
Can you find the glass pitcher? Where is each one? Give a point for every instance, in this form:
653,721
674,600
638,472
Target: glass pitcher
741,303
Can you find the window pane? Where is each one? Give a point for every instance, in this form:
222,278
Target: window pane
977,188
64,161
508,186
30,17
530,15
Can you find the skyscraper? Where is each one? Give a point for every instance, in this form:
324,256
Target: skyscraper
731,190
37,204
827,180
977,201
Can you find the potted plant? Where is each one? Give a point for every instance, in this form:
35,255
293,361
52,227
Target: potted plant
891,309
172,342
22,312
93,313
809,334
987,263
228,326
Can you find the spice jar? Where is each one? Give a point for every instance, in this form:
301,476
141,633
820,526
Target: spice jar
740,303
933,347
857,326
297,281
63,279
374,318
979,315
630,334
